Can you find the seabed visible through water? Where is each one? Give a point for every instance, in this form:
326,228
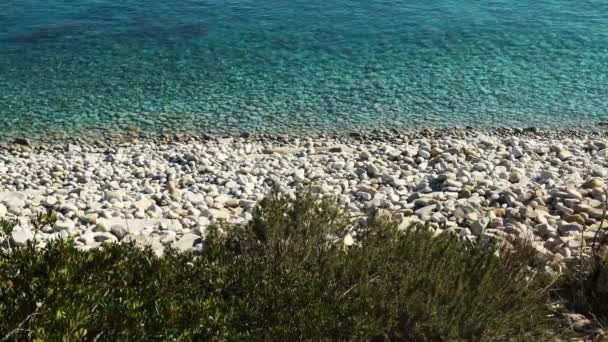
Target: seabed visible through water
300,66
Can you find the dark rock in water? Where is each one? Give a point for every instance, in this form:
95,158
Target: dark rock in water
207,137
531,130
47,33
603,124
148,32
284,138
191,30
157,32
103,12
37,36
22,142
245,135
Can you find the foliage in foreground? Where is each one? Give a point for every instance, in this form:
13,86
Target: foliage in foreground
285,276
584,289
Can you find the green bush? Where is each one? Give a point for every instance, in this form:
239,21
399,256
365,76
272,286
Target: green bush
287,275
584,290
595,289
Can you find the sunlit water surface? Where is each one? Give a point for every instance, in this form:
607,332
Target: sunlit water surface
302,65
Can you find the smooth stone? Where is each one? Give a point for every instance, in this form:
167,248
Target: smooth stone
20,236
527,213
284,150
169,238
142,242
408,222
464,232
596,213
87,238
148,190
50,201
546,175
372,170
143,204
202,222
500,212
115,195
186,242
426,211
467,212
517,152
102,227
365,196
515,177
119,231
193,198
599,171
573,193
453,183
464,193
226,201
319,188
104,237
366,188
65,225
68,207
139,214
480,225
171,187
546,229
571,242
593,183
437,217
219,214
247,203
3,210
575,218
232,185
567,228
562,208
232,203
564,154
393,154
14,200
424,154
299,176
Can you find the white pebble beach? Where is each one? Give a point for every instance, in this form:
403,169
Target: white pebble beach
479,185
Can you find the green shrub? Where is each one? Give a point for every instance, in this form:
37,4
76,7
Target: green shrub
584,287
287,275
586,291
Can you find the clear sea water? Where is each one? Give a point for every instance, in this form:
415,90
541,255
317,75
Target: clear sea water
75,66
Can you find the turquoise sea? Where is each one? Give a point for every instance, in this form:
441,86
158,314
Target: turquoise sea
75,66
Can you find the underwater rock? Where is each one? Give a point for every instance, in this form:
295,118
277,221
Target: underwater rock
47,33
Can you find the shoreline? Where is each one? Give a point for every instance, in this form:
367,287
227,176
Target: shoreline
507,184
134,135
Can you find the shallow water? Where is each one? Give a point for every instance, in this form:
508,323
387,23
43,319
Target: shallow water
301,65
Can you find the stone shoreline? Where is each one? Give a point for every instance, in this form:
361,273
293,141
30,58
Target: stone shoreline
106,138
544,186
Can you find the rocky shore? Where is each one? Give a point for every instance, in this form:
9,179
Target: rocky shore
482,185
